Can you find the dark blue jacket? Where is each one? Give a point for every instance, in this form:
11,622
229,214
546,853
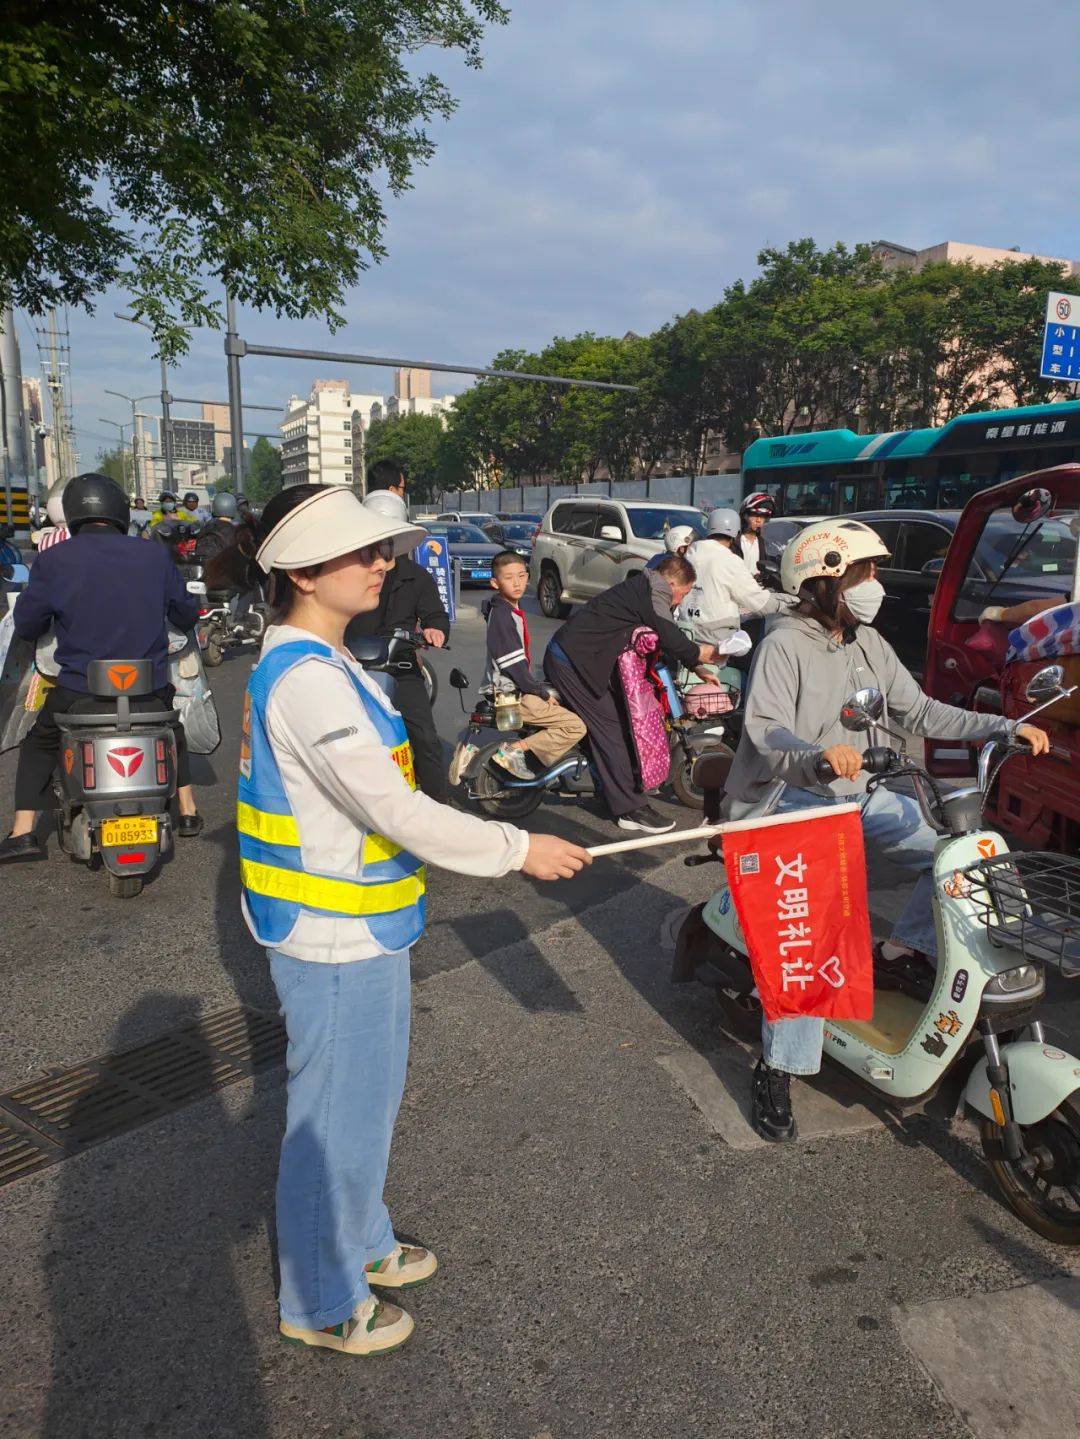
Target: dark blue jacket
108,596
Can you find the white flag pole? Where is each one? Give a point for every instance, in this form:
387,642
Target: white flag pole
677,836
706,831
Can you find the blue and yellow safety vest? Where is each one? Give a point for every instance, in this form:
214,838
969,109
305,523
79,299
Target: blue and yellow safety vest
388,893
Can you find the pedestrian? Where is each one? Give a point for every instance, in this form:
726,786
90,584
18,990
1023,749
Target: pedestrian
333,839
410,601
554,730
105,597
581,664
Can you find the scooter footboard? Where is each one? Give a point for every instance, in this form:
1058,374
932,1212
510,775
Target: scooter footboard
1041,1076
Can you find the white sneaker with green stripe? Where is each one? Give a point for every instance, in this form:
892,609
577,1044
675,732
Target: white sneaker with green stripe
404,1266
375,1328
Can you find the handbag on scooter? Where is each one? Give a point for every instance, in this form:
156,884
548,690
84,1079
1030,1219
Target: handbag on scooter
648,736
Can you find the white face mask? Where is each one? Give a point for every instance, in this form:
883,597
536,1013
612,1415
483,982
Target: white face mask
864,600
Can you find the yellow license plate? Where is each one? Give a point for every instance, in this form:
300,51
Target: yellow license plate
129,831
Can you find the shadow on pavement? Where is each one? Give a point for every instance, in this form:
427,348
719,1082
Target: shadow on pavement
150,1330
531,979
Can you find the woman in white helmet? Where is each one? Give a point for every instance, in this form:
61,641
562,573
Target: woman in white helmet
806,666
333,838
726,592
57,530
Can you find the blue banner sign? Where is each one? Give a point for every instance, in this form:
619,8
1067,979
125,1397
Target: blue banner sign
434,556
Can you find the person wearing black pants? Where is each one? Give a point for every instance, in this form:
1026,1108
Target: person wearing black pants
580,664
410,601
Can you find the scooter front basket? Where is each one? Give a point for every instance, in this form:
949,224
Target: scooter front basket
1031,902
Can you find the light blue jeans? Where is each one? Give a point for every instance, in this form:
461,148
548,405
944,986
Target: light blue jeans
892,823
348,1029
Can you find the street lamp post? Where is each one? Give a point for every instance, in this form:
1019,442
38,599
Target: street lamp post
166,400
133,400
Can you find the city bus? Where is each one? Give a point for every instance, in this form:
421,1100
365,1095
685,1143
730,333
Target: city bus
836,471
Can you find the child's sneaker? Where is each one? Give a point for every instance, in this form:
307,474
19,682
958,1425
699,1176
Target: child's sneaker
508,758
375,1328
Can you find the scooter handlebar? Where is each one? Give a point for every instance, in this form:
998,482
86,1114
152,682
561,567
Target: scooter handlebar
878,759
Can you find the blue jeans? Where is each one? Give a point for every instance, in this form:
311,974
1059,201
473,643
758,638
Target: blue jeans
348,1029
894,824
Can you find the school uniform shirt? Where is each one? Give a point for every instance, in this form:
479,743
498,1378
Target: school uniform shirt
508,653
748,548
340,780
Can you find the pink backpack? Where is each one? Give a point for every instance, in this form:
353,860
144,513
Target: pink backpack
650,746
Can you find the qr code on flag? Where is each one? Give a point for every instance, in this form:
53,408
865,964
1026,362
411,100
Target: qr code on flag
749,864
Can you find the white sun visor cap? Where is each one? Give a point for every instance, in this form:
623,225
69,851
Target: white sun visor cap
725,523
328,525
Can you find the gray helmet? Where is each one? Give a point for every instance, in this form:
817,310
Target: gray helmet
191,500
225,507
725,524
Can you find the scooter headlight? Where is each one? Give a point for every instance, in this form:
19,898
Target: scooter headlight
1014,981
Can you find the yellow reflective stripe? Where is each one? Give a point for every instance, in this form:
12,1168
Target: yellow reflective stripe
377,847
281,829
271,828
316,892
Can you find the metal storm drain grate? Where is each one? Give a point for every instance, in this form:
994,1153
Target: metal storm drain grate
48,1119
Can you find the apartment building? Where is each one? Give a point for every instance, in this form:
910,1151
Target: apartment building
317,437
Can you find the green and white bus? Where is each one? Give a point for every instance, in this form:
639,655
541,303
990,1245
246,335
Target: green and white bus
837,471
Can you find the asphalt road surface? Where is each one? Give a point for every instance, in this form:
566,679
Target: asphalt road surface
619,1254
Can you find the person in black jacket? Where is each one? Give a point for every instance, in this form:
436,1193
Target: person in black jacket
409,601
580,663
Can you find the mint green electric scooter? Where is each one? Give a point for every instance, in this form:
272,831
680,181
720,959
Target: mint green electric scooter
1001,918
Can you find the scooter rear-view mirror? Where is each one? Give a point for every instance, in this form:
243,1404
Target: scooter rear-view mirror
1045,684
1032,505
862,710
459,680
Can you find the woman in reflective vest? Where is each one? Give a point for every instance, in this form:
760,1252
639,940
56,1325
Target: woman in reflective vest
333,840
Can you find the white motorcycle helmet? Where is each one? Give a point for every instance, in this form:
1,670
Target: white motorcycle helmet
678,537
724,524
827,550
54,503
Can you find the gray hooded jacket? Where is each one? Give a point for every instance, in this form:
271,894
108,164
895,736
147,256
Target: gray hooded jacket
799,682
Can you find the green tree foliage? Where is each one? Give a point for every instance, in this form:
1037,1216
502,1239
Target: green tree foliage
818,338
419,444
116,463
263,477
155,146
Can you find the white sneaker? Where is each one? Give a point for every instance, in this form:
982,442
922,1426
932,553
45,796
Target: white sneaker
375,1328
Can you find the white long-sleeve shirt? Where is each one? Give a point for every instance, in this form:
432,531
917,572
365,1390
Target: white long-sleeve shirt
341,780
726,591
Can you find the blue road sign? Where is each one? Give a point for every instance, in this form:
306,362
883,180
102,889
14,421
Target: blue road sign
434,555
1061,338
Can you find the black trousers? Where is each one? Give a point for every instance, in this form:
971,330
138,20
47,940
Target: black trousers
411,699
38,751
606,734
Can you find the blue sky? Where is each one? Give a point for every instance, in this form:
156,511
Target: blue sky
614,164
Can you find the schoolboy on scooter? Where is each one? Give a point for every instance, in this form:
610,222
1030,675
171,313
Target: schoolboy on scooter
811,660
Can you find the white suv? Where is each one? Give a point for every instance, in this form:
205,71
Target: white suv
585,546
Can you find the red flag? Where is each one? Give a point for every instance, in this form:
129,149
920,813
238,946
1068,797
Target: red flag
799,885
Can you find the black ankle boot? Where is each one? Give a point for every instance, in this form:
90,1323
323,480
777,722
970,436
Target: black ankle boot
772,1117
